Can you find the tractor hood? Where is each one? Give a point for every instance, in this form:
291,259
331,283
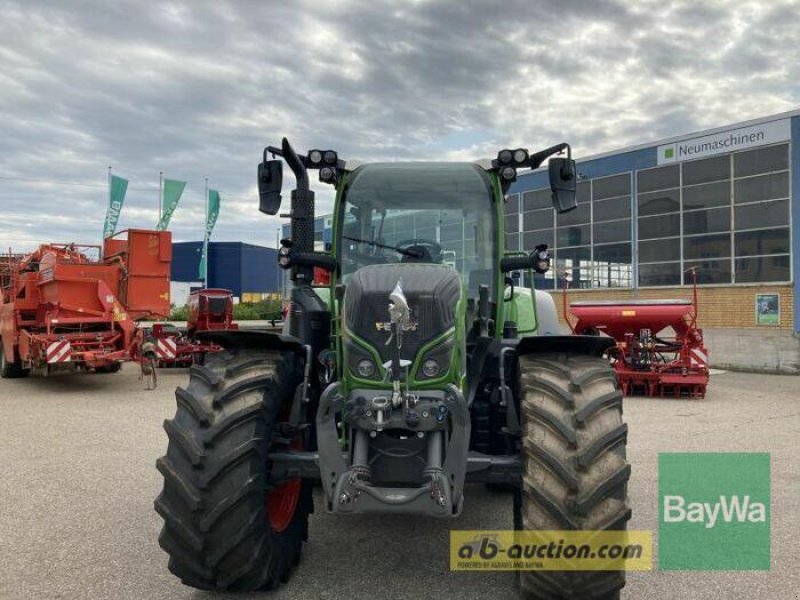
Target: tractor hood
432,292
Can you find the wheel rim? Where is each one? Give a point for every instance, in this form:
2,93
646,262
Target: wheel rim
281,503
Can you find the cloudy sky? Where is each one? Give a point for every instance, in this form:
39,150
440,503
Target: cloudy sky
197,89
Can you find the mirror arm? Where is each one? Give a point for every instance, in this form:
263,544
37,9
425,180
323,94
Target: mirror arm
273,151
537,158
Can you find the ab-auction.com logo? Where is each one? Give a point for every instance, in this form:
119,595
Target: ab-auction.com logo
507,550
714,511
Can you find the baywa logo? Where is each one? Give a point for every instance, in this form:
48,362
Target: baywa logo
730,508
669,152
714,512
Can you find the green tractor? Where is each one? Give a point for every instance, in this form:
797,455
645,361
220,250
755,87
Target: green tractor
399,383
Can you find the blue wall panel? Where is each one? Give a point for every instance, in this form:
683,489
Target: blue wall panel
241,268
599,167
186,260
225,266
259,269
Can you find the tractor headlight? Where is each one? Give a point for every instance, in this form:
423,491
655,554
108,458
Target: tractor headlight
330,157
508,173
504,157
365,368
430,368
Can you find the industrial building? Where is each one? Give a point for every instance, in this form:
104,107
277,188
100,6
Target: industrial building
723,204
249,271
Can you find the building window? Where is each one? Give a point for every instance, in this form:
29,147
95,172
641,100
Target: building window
761,235
591,244
658,198
726,216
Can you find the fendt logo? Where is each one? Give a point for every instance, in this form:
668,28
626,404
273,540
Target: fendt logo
729,508
714,511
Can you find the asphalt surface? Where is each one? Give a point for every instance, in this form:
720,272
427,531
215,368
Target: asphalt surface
78,482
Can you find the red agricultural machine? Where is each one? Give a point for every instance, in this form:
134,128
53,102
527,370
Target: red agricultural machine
61,309
648,357
209,310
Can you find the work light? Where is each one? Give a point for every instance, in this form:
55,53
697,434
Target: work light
520,156
315,157
330,157
541,256
509,173
327,175
505,156
284,254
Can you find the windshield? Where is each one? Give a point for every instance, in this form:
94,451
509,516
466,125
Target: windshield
415,212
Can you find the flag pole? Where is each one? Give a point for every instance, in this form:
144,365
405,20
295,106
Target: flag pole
160,193
108,203
205,242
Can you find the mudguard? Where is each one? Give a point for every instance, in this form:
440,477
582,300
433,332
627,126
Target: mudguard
591,345
251,338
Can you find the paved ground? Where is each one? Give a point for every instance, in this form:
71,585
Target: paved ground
78,481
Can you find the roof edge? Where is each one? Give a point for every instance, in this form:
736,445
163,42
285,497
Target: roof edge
680,138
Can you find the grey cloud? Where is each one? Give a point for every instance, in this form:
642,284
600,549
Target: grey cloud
197,89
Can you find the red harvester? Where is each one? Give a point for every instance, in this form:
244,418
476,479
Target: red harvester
61,310
209,310
646,362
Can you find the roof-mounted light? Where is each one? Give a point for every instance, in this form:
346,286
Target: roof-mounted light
327,175
315,157
521,156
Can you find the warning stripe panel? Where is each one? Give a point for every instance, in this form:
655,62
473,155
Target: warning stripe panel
60,351
166,348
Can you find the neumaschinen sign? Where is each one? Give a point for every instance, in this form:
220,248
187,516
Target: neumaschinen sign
725,141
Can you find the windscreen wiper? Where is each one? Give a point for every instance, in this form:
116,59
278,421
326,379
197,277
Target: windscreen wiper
403,251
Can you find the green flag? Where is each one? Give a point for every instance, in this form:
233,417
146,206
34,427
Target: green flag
116,196
172,194
213,212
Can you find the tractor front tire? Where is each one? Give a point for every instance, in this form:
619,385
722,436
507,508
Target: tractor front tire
11,370
574,468
227,525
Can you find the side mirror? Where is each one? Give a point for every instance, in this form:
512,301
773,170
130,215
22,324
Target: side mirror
563,183
270,181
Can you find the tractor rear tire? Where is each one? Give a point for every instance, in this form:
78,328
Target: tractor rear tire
574,469
11,370
227,524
